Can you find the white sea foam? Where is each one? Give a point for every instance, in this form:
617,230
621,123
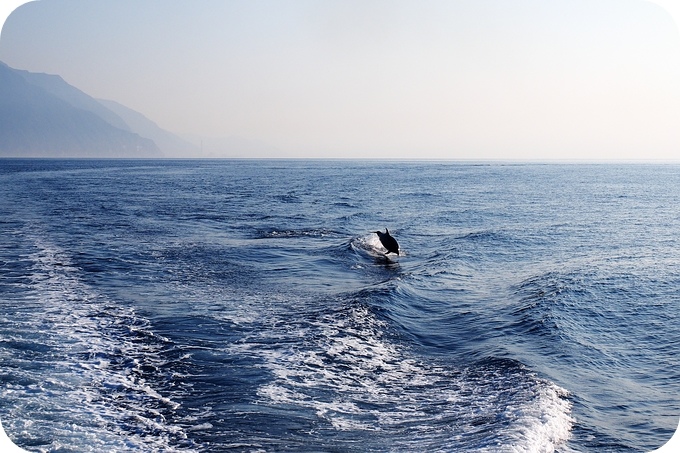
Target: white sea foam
96,396
345,369
369,244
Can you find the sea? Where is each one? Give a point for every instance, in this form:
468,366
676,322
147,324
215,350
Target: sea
249,306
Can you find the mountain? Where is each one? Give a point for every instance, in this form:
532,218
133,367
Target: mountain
56,86
36,123
43,116
170,144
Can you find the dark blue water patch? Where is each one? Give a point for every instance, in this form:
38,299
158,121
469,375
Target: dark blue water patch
544,302
345,202
581,301
504,245
29,349
290,197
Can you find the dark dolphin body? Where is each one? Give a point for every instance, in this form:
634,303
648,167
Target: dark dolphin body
388,241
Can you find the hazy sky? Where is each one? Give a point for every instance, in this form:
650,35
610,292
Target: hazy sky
371,78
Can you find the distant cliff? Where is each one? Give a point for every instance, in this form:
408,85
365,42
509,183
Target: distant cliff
43,116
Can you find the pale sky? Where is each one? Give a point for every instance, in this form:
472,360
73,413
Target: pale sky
450,79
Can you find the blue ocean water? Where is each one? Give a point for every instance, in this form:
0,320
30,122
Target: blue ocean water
246,306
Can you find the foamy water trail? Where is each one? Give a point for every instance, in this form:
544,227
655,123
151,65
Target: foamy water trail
80,368
344,368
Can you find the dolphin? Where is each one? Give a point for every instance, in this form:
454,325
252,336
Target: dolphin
388,241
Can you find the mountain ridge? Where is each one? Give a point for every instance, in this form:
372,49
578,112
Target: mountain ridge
41,115
36,123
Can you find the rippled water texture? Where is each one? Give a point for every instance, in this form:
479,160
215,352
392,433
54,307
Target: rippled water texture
246,306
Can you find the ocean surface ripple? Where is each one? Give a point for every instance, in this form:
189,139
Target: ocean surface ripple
246,306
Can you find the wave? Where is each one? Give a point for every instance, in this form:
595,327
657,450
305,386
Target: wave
598,324
351,373
572,302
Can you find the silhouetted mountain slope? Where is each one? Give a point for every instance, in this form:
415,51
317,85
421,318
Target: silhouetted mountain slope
58,87
34,122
